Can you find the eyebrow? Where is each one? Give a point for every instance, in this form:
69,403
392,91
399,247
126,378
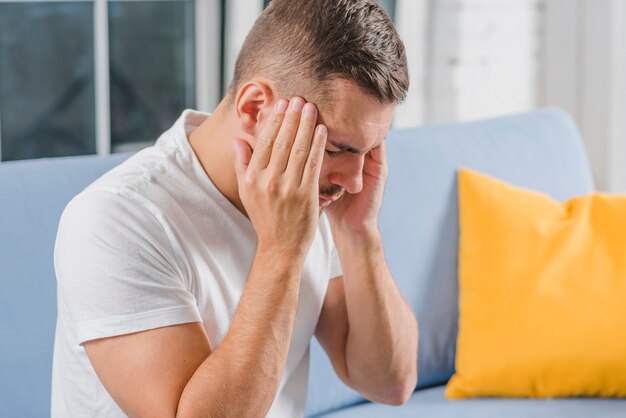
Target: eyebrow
344,147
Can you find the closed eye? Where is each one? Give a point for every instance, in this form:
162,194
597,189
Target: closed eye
332,153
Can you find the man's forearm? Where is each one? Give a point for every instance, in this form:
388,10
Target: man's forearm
241,377
381,346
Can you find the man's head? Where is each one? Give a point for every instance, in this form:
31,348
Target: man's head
302,44
343,55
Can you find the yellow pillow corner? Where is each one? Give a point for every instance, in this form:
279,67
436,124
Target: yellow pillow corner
542,293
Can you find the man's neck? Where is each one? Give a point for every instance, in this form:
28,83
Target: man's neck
211,142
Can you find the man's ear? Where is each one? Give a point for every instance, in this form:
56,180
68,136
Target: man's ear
253,99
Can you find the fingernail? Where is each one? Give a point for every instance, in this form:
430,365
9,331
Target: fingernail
281,106
296,104
321,130
309,110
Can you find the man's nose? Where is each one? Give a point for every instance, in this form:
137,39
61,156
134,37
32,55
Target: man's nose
350,175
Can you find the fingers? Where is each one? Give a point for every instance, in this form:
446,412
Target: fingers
292,124
311,174
263,148
289,145
302,144
379,154
243,153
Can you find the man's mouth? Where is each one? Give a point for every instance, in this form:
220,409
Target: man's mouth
328,195
327,200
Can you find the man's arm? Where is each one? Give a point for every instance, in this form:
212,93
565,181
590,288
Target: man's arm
366,327
171,371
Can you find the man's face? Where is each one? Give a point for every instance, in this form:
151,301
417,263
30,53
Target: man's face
357,123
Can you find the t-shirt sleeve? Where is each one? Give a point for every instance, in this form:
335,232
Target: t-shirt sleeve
117,272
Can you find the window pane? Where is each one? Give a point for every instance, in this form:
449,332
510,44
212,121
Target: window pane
46,79
151,68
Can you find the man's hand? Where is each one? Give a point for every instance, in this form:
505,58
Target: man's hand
358,213
279,182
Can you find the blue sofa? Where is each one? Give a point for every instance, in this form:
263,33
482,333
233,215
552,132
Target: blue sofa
541,150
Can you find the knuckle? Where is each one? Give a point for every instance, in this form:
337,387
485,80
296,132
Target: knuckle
302,151
249,182
280,144
277,119
272,188
264,141
314,162
290,121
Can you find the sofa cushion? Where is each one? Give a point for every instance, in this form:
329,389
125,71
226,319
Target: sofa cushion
431,403
33,195
542,289
540,150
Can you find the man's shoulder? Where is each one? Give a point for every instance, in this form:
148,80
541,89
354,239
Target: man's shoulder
137,170
125,193
103,210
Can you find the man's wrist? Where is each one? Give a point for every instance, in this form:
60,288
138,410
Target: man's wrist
290,260
367,238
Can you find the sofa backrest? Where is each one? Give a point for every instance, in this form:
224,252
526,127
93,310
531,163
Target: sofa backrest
540,150
33,195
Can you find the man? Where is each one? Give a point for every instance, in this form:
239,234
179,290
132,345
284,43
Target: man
193,276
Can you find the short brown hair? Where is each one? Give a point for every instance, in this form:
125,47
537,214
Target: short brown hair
302,44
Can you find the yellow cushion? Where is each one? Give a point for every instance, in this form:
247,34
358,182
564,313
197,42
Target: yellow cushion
542,293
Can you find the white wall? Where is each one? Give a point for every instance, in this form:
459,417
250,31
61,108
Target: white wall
585,73
207,25
240,16
412,25
492,57
484,58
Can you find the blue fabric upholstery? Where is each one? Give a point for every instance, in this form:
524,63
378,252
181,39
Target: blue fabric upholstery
540,150
32,197
431,403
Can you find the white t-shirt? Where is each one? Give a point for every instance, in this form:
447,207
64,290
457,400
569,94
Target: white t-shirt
154,243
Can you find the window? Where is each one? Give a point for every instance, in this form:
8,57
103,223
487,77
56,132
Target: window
46,79
80,77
